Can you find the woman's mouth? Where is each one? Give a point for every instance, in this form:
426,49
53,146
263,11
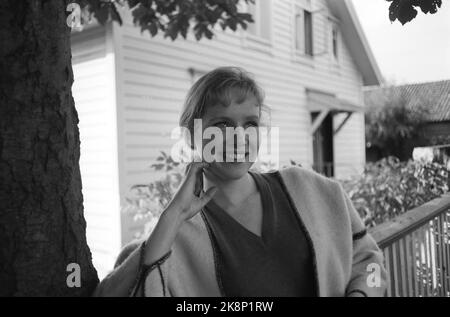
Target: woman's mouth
237,157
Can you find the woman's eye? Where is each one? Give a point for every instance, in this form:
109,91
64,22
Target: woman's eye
252,124
221,125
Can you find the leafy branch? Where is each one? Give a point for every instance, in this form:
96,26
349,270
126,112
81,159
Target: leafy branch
406,10
172,17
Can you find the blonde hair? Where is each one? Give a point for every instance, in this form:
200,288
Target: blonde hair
220,86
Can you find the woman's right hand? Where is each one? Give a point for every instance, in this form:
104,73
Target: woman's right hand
187,201
190,197
183,206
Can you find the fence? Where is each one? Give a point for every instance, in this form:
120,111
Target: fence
416,246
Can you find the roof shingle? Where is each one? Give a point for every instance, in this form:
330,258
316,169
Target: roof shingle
436,95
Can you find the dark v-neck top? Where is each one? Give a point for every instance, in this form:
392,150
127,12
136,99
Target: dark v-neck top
277,264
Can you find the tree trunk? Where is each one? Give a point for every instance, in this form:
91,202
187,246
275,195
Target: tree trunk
42,228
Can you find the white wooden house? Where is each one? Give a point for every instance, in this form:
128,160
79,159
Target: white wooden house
310,56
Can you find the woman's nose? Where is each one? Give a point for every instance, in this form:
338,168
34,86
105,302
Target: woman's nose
236,141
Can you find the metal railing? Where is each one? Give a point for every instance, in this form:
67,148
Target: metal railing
416,247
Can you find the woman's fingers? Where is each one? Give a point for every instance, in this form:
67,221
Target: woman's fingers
206,197
201,201
195,176
191,193
195,167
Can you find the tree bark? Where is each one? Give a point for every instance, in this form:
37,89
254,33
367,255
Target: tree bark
42,228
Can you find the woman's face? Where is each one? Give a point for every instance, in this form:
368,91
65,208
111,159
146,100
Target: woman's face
243,115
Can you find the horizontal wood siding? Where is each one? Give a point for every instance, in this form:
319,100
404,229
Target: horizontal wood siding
94,96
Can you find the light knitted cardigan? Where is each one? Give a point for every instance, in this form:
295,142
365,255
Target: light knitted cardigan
343,252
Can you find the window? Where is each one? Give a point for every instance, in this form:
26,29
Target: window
335,41
304,32
261,13
308,33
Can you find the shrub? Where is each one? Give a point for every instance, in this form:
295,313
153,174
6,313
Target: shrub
393,123
149,200
388,188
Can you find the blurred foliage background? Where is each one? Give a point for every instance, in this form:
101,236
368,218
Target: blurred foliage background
389,187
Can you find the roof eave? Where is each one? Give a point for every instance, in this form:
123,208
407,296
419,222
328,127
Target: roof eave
357,42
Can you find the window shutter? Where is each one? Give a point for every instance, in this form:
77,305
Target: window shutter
299,30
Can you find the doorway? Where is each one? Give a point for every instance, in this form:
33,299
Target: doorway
323,146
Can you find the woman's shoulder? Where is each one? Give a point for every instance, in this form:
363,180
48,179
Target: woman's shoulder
308,188
296,177
301,177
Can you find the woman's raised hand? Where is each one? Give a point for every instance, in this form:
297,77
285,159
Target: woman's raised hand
190,197
187,201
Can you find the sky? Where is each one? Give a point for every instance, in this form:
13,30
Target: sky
418,51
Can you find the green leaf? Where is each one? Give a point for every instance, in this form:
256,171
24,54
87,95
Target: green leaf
405,10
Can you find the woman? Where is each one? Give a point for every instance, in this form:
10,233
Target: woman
229,231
